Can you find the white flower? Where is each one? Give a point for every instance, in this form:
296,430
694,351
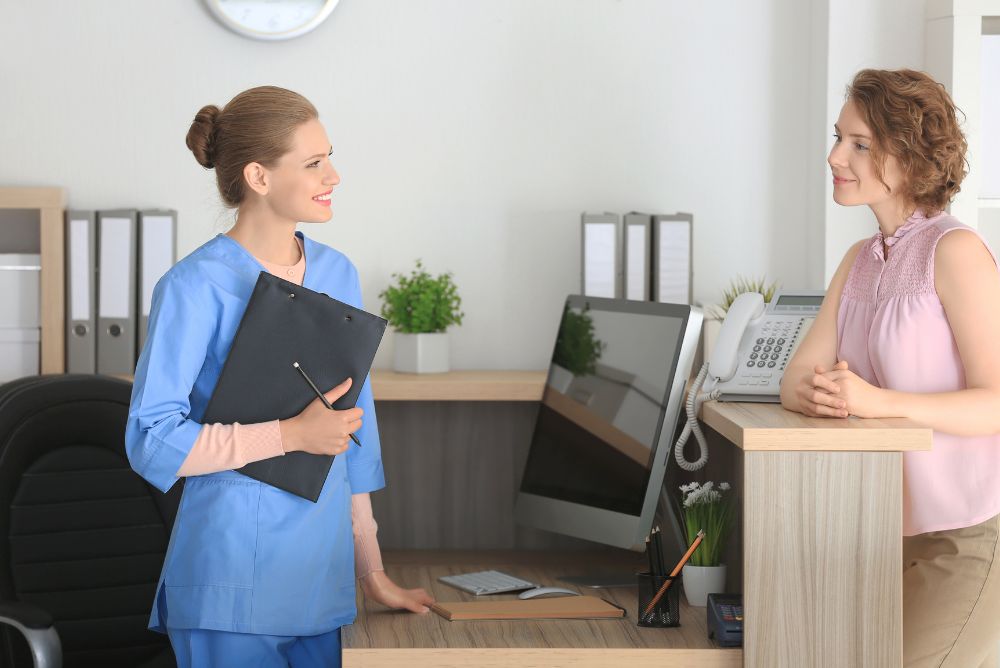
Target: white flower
686,488
724,486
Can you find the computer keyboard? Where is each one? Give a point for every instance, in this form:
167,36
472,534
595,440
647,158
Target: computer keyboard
486,582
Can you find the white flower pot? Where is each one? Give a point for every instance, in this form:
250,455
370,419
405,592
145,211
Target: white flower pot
560,378
700,581
421,353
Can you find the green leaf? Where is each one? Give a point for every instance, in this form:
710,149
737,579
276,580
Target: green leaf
741,284
420,303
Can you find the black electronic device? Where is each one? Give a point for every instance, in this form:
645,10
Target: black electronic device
725,619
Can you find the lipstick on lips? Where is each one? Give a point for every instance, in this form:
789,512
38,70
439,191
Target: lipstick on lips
839,181
323,199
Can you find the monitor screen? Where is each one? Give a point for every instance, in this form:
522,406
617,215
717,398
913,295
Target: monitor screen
604,403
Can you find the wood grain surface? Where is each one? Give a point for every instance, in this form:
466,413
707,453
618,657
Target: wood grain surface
770,427
380,635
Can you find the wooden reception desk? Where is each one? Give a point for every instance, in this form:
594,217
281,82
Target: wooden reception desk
822,534
821,539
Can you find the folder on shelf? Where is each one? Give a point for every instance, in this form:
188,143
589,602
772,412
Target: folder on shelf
286,323
116,317
672,265
563,607
81,292
638,256
600,256
157,253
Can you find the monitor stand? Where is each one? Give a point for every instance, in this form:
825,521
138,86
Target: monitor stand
607,580
611,578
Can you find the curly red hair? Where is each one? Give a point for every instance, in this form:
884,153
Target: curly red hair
915,120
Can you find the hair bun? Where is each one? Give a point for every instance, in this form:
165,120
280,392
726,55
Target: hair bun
201,135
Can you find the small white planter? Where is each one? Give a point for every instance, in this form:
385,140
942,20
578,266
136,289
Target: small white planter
421,353
700,581
560,378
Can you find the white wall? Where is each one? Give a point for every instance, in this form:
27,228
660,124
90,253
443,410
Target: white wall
470,134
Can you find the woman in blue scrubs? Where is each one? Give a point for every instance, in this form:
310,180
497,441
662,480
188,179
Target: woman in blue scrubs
253,576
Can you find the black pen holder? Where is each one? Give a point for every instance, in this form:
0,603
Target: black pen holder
666,611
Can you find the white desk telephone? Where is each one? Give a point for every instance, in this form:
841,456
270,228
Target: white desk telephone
750,355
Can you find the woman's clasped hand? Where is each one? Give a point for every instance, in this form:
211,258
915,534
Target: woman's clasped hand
839,392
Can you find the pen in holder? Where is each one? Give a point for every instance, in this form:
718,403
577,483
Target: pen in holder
666,611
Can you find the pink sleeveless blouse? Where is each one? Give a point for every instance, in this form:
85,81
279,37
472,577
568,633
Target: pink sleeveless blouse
893,332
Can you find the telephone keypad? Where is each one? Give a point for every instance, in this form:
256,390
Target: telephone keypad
772,350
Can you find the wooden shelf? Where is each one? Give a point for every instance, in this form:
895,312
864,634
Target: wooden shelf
458,386
50,204
384,638
771,427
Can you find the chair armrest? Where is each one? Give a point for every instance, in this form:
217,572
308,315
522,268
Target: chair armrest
36,626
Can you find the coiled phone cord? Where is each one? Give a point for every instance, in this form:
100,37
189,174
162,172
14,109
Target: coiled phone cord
693,403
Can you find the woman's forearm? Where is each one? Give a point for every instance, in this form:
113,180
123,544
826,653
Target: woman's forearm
791,378
971,412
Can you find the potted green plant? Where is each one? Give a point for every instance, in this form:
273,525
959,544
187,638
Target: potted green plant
421,307
577,349
716,313
710,509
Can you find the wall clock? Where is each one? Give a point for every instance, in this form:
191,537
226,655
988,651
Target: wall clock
271,19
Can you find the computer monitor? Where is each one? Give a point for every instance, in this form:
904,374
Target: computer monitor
607,419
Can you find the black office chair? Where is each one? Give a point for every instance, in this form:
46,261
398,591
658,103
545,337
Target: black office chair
82,536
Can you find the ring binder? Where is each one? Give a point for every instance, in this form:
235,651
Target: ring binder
81,302
116,248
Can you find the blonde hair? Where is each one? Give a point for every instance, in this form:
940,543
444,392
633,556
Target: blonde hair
256,126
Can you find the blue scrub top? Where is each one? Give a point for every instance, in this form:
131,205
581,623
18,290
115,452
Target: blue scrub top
243,556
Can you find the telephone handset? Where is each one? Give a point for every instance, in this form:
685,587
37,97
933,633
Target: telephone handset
746,309
750,355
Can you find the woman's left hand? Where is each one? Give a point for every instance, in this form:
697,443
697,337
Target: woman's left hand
863,399
378,587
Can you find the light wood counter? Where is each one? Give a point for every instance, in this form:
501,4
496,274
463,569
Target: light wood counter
458,386
822,507
388,639
821,510
752,426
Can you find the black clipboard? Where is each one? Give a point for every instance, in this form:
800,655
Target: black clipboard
285,323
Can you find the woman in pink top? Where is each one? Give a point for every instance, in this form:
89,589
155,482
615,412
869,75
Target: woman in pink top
909,328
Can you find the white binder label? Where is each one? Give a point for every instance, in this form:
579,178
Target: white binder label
599,255
116,237
674,270
636,261
157,254
79,270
